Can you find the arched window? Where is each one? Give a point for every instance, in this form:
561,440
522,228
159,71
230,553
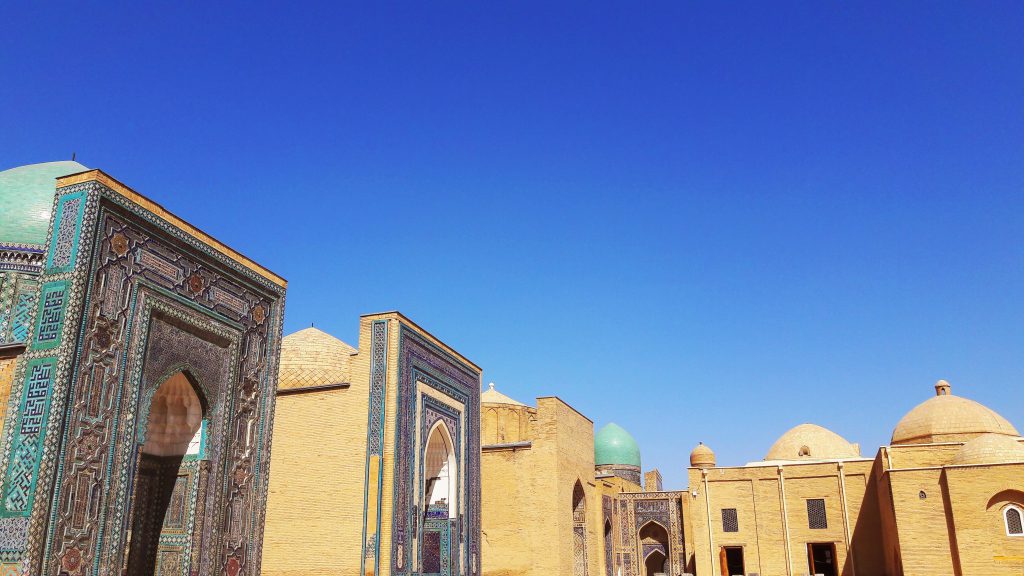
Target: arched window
491,427
1014,524
579,504
579,530
440,474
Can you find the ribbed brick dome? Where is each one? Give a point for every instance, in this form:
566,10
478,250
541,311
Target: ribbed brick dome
702,457
949,418
312,357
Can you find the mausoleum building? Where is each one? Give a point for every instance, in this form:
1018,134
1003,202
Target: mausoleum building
138,361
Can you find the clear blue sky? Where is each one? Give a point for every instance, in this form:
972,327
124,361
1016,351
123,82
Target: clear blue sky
705,222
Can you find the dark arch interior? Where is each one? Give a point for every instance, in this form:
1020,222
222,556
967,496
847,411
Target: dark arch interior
654,564
579,504
175,416
654,540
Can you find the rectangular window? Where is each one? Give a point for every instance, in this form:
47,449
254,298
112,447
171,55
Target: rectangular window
730,522
816,519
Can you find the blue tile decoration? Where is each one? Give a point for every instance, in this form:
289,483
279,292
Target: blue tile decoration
50,318
83,389
19,486
67,226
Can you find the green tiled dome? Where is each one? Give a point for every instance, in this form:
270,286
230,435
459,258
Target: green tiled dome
26,200
613,445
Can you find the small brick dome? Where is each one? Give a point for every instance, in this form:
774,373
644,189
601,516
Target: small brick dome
811,442
702,457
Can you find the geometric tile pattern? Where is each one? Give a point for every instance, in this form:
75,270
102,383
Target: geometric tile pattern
50,320
20,484
70,210
579,550
7,283
80,471
22,316
816,519
437,543
375,443
648,515
378,380
730,521
1013,522
18,293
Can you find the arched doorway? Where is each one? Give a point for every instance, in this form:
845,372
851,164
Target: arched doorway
440,507
608,547
174,428
654,547
579,530
439,471
654,564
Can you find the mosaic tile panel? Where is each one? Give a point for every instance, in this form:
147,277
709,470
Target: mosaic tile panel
68,222
21,317
579,551
84,474
50,317
372,511
634,511
19,487
436,554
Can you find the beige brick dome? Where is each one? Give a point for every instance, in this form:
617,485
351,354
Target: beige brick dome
702,457
811,442
312,357
990,449
949,418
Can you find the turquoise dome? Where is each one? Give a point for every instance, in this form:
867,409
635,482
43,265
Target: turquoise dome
26,200
613,445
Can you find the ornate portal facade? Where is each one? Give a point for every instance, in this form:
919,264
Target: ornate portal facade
142,390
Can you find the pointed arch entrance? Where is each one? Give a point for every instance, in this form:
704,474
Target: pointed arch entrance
440,471
654,548
439,498
579,530
173,437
